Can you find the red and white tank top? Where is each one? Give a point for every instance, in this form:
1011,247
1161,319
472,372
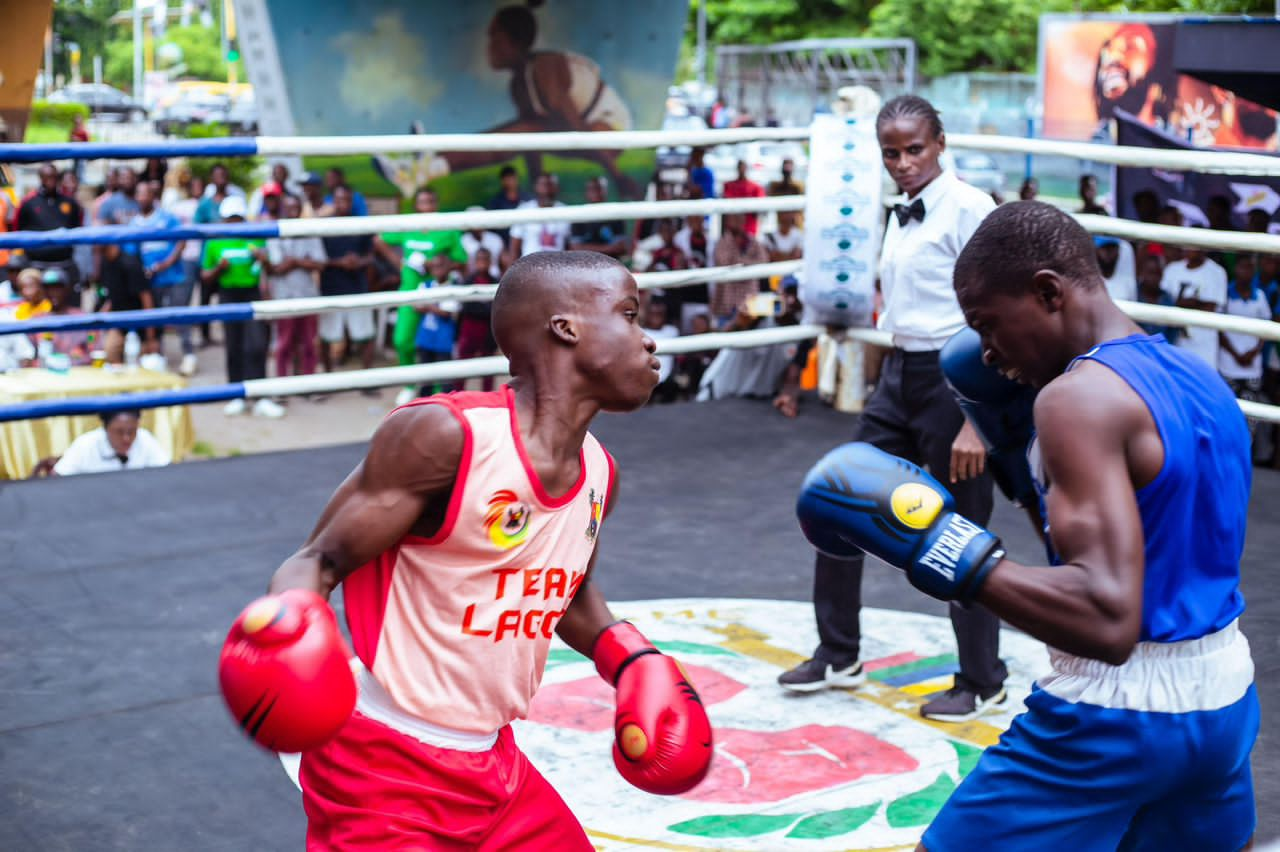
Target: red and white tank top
455,628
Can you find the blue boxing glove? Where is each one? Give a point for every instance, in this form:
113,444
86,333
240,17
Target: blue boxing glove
861,498
1000,409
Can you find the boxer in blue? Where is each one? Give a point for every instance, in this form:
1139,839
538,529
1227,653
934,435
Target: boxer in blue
1139,737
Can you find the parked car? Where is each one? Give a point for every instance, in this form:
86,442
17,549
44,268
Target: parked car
242,116
193,106
978,169
102,100
763,159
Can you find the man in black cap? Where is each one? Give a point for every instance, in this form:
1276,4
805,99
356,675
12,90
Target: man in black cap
47,209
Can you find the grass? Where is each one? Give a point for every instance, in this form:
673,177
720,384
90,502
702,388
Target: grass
203,449
44,133
476,186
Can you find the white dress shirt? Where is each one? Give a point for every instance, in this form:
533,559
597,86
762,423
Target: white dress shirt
917,261
93,453
1123,283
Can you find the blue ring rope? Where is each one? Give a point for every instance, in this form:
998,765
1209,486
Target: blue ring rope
119,402
113,234
240,312
18,152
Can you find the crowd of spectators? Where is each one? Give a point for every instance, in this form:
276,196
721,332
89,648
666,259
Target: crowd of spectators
158,272
1237,283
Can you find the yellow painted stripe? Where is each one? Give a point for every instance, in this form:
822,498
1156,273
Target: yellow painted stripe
928,687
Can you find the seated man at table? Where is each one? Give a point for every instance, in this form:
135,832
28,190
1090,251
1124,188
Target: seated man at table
118,444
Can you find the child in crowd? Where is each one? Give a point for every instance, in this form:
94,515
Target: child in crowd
475,334
436,333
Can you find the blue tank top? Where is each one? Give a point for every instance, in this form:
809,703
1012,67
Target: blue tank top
1193,512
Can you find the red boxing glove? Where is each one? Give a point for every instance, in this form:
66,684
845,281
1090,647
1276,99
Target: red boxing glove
662,736
285,673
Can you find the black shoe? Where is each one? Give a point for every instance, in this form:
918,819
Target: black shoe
962,704
813,675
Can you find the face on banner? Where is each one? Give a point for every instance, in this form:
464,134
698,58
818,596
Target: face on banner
1093,69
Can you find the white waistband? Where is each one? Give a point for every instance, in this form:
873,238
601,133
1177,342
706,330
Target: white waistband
1208,673
376,704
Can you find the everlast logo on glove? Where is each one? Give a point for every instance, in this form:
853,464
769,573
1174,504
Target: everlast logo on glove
946,551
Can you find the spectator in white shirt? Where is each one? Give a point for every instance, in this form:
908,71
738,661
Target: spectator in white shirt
1115,259
119,444
541,236
1196,282
787,242
1240,355
912,413
478,238
656,326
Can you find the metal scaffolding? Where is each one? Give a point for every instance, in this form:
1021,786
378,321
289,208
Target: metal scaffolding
787,82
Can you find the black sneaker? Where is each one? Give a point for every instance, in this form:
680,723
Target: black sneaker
813,675
962,703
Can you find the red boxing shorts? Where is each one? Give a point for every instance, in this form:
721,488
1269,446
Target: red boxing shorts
372,787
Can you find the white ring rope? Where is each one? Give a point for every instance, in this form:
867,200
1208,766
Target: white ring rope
278,309
603,140
1207,162
1197,237
468,220
1204,162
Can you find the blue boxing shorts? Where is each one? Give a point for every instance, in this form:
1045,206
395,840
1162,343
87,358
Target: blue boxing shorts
1149,755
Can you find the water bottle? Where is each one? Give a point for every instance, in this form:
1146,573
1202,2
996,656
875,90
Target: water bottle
44,348
132,349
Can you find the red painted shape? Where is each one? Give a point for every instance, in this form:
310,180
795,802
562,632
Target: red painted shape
587,704
893,660
753,767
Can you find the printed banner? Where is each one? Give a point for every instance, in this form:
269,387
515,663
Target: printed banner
842,222
1190,192
1091,69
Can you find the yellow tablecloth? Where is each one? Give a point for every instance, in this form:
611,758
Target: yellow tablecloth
25,442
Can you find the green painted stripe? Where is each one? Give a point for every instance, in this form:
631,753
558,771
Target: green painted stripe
915,665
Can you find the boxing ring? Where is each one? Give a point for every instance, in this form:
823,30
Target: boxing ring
112,731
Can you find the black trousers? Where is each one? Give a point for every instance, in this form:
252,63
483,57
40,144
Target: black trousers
911,414
246,342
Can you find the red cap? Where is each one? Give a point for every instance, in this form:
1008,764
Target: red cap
272,188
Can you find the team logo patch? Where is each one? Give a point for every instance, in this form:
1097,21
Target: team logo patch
597,505
915,505
507,520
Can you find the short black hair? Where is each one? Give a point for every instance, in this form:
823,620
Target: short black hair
507,170
1019,239
910,106
107,416
529,287
519,23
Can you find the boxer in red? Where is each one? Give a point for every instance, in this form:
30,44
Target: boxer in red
463,541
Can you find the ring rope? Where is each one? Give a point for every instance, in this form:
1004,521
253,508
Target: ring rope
1208,162
576,213
273,309
307,146
354,225
439,372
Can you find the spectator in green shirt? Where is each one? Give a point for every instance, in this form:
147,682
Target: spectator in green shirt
412,251
234,266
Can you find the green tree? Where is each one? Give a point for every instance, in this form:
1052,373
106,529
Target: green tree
84,22
1002,35
201,53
